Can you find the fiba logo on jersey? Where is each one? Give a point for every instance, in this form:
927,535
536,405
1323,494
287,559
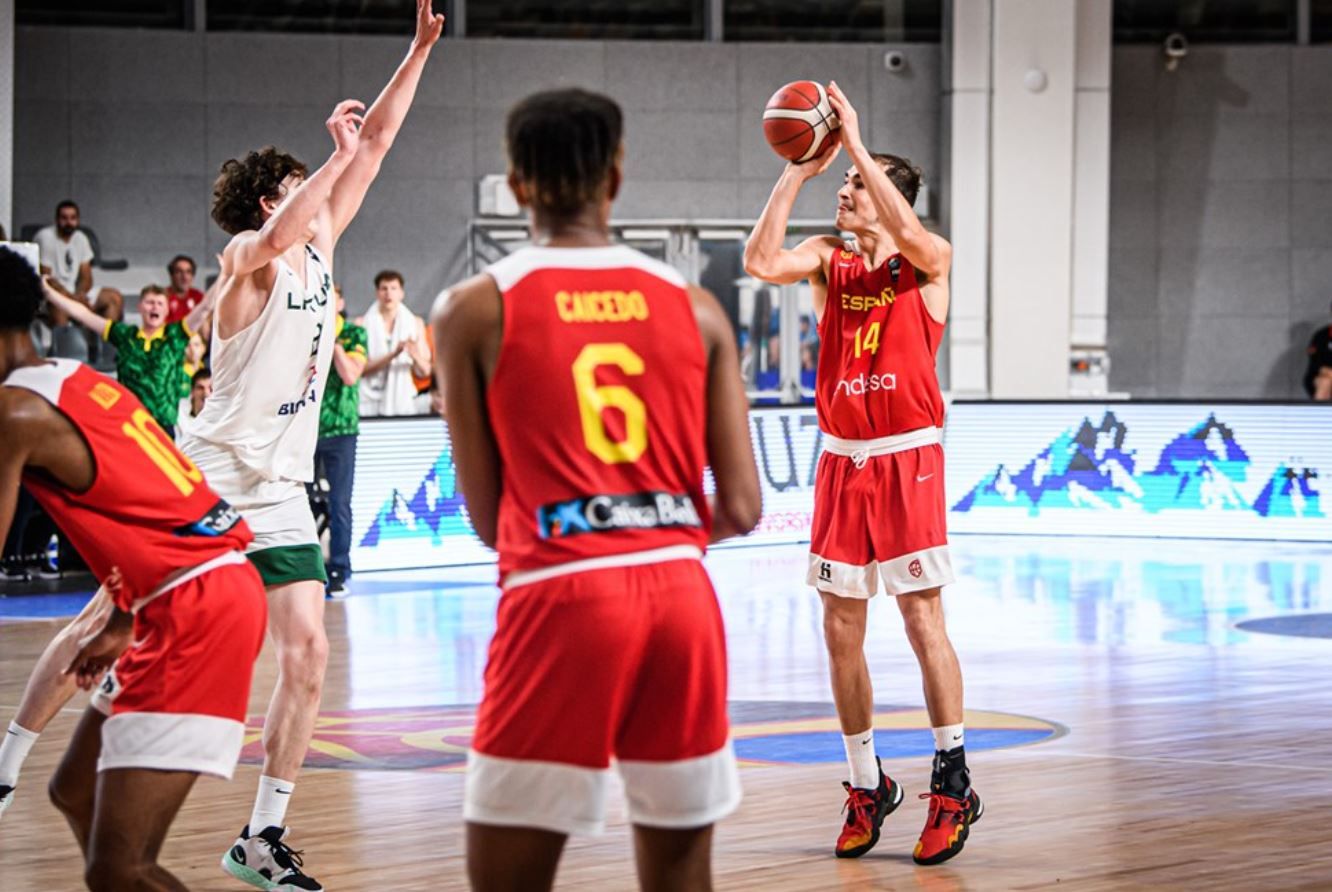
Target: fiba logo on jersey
862,384
915,569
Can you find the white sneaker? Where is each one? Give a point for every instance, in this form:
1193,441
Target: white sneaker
266,862
6,797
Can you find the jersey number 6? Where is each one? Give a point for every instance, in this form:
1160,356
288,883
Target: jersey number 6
594,399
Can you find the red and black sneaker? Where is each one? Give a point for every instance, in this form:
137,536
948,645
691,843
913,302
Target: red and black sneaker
865,811
946,827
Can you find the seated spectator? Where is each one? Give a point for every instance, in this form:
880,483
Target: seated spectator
181,294
201,388
335,450
398,349
67,258
149,358
1318,374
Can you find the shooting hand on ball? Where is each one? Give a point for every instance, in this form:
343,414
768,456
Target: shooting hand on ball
814,166
846,113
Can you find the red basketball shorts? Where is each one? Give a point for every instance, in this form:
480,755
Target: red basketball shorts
177,699
624,663
879,512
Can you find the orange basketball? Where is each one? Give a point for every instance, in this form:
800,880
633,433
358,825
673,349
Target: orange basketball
798,121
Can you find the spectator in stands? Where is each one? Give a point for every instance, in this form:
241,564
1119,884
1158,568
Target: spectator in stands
196,358
67,258
201,388
1318,374
335,451
397,349
181,295
150,358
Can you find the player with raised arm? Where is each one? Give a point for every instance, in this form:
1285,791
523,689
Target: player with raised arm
273,339
881,300
588,385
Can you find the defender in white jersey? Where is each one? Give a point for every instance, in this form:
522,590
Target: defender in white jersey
255,439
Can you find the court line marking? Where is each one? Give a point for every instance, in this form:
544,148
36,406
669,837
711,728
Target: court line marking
1024,751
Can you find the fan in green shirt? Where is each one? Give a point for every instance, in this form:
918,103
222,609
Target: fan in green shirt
339,411
149,357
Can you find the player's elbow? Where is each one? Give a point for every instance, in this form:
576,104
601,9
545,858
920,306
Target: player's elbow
741,510
757,263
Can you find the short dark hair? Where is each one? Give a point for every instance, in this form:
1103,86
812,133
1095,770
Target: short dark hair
385,274
241,183
171,267
203,374
67,203
563,145
20,291
905,176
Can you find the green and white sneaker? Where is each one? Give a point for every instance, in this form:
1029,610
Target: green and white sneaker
266,862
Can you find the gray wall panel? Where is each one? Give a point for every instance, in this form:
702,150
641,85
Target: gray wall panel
41,139
133,138
121,65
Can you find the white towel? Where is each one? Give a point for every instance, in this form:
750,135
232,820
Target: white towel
390,391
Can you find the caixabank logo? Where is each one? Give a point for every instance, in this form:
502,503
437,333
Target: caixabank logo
1091,466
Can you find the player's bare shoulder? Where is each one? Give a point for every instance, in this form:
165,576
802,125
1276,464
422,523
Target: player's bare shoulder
822,246
469,317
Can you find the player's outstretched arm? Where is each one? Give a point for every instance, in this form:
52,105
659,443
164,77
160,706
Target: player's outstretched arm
252,250
766,256
467,324
382,123
738,503
76,309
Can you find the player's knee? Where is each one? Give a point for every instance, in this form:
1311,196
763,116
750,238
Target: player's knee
843,631
303,656
71,800
923,619
111,873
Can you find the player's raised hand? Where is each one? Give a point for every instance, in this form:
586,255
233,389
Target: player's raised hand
344,125
820,163
846,113
429,26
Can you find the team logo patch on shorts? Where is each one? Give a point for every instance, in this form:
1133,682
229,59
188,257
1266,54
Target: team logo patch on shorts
607,513
915,569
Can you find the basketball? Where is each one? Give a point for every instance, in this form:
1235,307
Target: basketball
798,120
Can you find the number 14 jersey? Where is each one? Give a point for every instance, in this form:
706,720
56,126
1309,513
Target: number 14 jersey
599,407
149,511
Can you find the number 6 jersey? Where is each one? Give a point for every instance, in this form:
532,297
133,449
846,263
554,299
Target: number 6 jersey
599,408
149,511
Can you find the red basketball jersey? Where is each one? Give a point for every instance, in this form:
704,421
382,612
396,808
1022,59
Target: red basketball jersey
149,511
876,374
599,407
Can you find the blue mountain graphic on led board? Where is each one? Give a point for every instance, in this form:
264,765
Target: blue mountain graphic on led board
434,511
1201,469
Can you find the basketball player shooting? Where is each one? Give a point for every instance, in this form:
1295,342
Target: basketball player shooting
588,385
180,615
881,300
255,438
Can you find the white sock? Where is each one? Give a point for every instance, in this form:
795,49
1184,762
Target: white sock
13,750
270,804
860,756
948,737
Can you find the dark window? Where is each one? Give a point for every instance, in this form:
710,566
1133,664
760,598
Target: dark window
1320,21
123,13
834,21
1206,21
343,16
587,19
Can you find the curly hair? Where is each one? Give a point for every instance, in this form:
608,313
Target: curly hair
563,144
242,183
20,291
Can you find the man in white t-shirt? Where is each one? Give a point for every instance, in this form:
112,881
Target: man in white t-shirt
67,258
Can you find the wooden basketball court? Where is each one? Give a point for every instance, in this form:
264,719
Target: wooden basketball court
1123,733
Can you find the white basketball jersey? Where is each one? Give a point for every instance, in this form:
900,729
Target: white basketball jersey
269,377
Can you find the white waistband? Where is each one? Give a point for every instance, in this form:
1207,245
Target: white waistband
860,451
183,576
628,559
